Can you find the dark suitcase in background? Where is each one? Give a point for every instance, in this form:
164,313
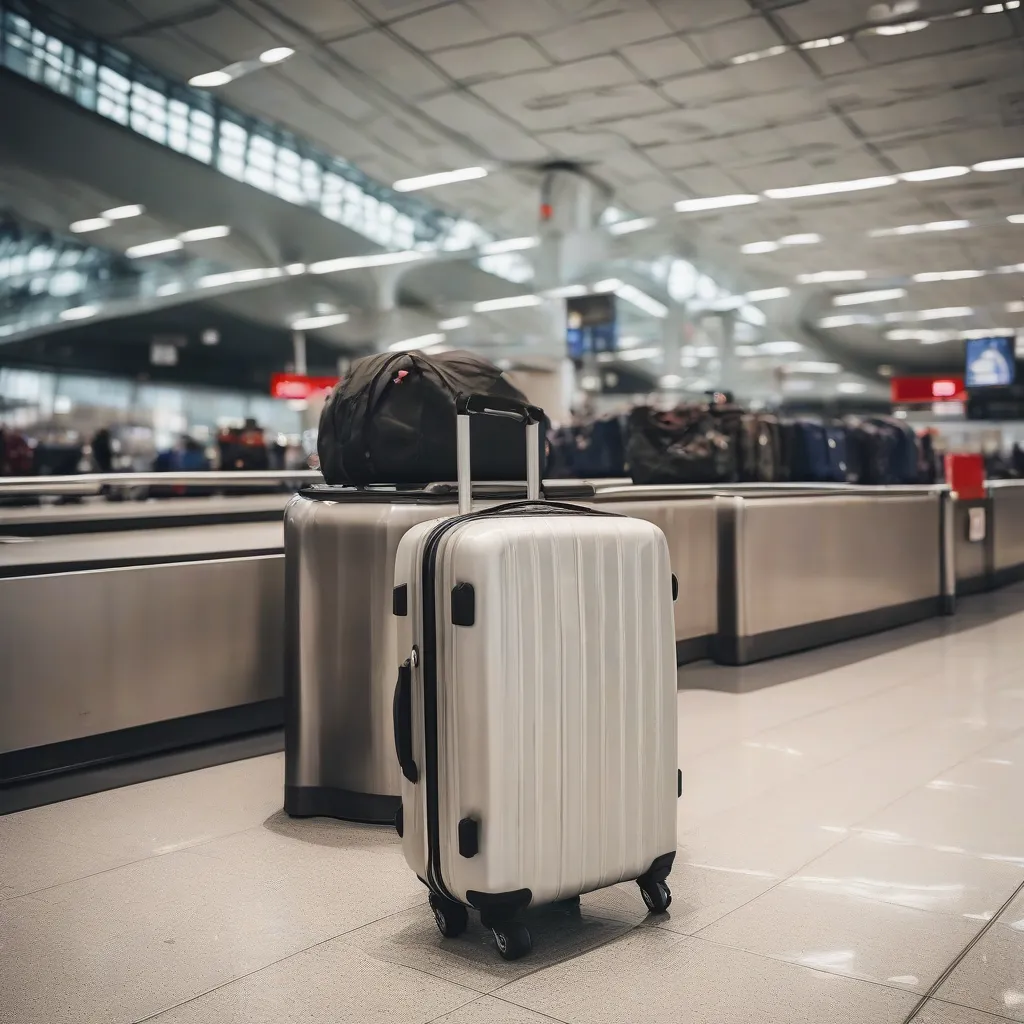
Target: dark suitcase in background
838,457
808,452
684,447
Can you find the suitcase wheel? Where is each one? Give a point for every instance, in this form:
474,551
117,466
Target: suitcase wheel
452,918
512,939
657,896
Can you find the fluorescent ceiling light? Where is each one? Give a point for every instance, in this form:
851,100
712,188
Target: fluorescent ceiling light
157,248
808,238
899,30
821,44
312,323
639,353
832,276
829,188
943,313
753,315
240,276
210,80
670,380
919,229
846,320
1010,164
641,300
1013,268
715,203
203,234
276,54
935,173
766,294
294,269
610,284
442,178
171,288
858,298
1015,307
947,275
813,366
382,259
454,324
627,227
754,248
921,334
780,348
124,212
508,245
747,58
79,227
568,291
511,302
79,312
988,332
851,387
423,341
1016,218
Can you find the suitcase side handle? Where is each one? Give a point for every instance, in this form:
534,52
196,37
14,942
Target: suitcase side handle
507,408
402,712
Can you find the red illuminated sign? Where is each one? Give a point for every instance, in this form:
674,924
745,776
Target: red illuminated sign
911,390
298,385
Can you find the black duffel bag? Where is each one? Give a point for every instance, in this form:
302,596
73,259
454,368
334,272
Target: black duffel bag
392,421
683,447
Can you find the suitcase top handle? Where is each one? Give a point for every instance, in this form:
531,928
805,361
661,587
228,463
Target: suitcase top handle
508,408
498,405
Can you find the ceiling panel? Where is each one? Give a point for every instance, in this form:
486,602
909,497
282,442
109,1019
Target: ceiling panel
388,62
494,59
440,27
602,34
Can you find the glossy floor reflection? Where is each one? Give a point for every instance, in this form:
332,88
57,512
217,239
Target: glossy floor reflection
851,849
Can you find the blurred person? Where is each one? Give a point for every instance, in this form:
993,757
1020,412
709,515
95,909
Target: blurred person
103,451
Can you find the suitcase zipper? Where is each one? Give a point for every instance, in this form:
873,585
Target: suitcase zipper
428,648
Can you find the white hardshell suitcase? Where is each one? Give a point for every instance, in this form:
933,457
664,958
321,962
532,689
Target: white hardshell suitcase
535,712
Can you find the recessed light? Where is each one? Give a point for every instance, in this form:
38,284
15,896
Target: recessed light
846,320
276,54
715,203
832,276
808,238
948,275
899,30
935,173
210,80
512,302
1015,307
454,324
1013,268
831,187
382,259
312,323
204,234
441,178
124,212
1010,164
627,227
918,229
422,341
765,294
80,227
157,248
508,245
780,348
771,51
1016,218
79,312
860,298
754,248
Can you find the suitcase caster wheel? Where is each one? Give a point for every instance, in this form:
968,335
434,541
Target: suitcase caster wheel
452,918
512,940
656,895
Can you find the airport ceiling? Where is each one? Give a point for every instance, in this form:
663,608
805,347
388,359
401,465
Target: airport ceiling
670,100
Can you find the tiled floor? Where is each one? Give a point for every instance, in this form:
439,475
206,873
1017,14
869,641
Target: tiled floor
850,841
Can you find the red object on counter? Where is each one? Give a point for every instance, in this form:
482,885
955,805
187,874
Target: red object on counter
965,475
298,385
911,390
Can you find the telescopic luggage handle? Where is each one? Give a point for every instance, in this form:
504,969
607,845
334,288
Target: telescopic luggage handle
467,406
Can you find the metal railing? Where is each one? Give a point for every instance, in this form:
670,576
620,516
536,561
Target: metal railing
96,483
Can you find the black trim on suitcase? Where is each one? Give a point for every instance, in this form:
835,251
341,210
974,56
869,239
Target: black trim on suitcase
435,881
469,837
400,600
498,907
401,710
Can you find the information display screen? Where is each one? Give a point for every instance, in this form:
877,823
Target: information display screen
590,325
990,362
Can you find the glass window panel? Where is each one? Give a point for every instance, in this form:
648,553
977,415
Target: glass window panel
177,139
260,179
264,161
231,166
230,130
200,151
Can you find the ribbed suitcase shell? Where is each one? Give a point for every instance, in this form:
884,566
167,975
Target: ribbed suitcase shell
556,709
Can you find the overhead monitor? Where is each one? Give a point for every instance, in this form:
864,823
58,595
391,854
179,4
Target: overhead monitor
590,325
990,362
